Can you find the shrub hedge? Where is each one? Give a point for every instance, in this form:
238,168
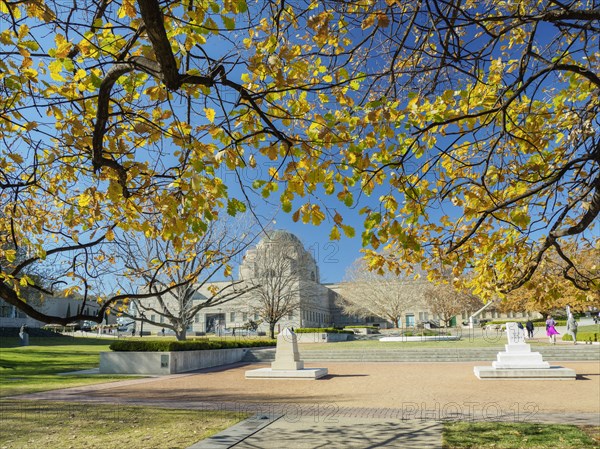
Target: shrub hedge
362,327
197,345
536,323
329,330
583,336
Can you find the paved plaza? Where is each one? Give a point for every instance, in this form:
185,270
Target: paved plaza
386,404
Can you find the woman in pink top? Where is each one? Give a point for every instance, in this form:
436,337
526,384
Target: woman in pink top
551,331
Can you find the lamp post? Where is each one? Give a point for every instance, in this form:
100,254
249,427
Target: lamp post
219,323
143,317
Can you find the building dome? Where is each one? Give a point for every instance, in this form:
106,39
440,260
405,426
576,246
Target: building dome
281,236
283,242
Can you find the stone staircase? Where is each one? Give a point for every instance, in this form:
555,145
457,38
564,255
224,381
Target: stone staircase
549,354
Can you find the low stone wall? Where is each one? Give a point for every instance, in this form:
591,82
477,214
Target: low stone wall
163,363
404,338
322,337
361,330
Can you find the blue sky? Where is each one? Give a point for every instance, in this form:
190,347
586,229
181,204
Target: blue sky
332,257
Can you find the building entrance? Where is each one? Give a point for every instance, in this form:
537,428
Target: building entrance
215,323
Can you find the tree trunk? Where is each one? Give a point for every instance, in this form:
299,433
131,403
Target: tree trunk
181,335
272,329
396,323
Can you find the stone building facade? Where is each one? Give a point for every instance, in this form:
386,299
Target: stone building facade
318,305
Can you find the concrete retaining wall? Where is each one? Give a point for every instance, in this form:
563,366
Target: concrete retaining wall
322,337
163,363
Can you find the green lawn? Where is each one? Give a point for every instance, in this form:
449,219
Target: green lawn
38,367
488,435
27,424
589,328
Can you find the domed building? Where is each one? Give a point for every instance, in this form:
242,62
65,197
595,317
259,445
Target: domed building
286,278
286,284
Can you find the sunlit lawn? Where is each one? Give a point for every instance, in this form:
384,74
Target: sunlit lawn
488,435
589,328
38,367
26,424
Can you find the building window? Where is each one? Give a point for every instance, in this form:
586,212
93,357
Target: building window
153,317
197,318
232,317
162,319
290,315
255,316
6,311
244,317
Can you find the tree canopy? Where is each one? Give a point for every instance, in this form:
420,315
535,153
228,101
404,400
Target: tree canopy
473,125
549,291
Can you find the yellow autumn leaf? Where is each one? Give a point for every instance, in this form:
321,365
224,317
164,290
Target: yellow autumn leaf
55,69
84,200
210,114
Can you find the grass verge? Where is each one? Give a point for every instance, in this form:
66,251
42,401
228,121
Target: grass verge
39,367
26,424
487,435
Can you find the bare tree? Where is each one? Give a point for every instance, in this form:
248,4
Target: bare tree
388,295
276,278
446,301
174,278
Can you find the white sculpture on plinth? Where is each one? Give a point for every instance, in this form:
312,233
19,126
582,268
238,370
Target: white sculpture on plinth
518,353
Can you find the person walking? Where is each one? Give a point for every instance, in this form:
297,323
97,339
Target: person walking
572,328
551,331
529,327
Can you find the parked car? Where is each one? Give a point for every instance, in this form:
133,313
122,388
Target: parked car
87,326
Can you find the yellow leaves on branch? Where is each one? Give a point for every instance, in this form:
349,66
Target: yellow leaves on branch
210,114
127,9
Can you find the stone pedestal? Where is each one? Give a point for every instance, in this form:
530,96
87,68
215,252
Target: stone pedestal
287,364
287,356
519,356
518,362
